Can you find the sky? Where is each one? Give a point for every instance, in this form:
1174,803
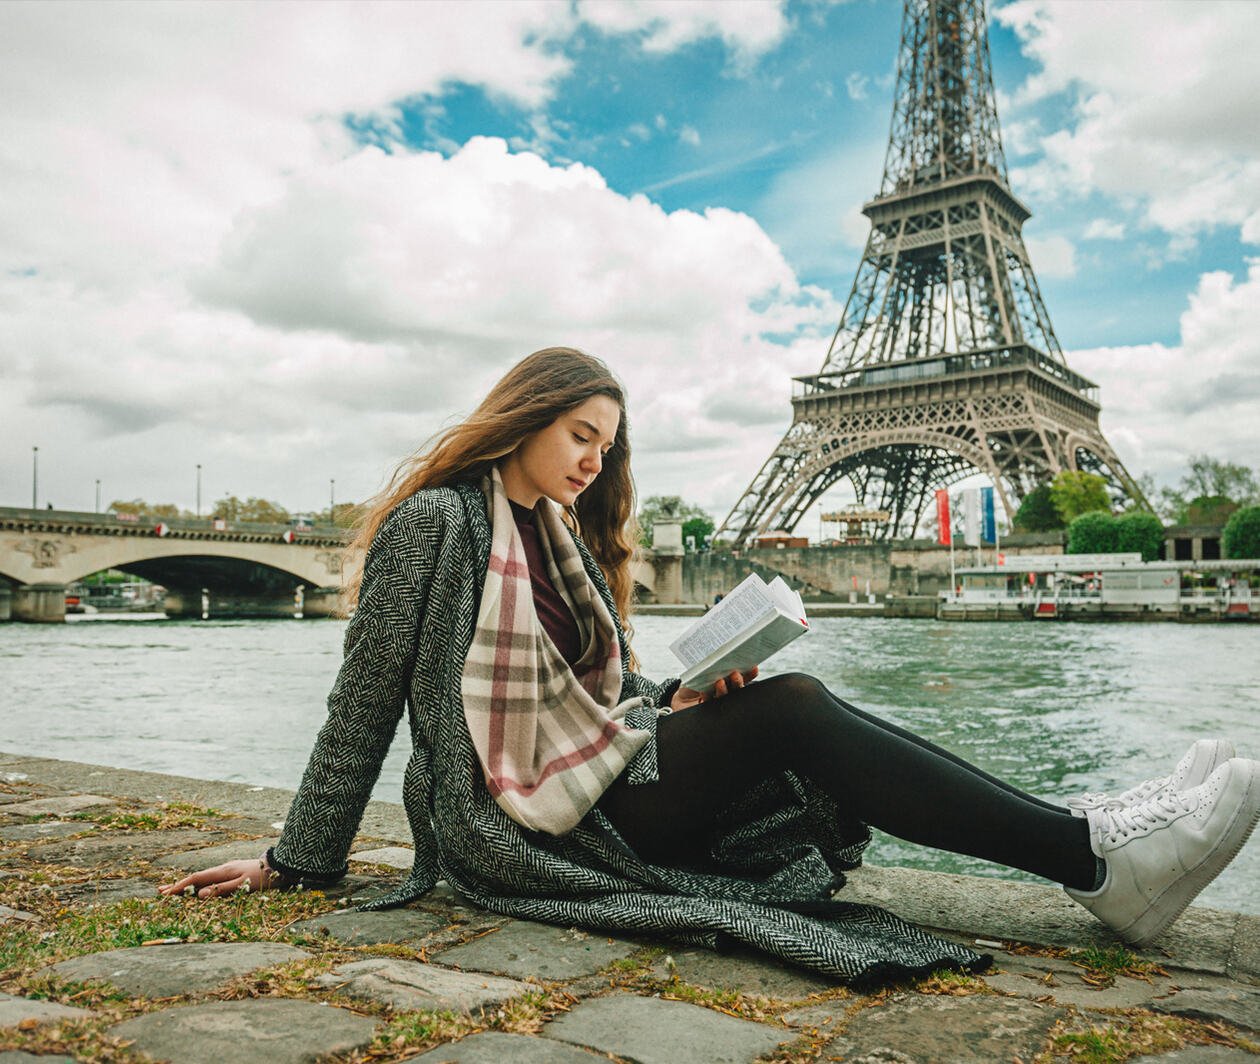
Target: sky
288,242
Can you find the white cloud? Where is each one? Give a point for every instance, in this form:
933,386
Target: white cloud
146,148
749,28
1161,403
689,135
1104,229
856,86
1164,110
1052,256
343,321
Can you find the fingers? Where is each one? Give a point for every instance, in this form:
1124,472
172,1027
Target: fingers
217,890
199,881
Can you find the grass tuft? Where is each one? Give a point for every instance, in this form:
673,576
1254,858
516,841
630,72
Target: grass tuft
1102,964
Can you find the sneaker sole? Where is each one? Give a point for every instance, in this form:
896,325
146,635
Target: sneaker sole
1180,894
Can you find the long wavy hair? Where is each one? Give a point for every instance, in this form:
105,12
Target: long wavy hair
529,397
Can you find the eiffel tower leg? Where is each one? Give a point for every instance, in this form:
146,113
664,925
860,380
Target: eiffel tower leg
751,511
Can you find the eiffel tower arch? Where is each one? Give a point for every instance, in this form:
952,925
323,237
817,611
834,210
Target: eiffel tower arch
944,363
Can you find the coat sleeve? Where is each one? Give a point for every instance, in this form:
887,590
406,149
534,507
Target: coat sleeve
366,702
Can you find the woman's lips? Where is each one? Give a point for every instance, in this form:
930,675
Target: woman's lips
579,484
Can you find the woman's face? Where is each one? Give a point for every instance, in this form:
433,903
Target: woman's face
563,459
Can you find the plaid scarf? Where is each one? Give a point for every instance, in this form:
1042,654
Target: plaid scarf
549,737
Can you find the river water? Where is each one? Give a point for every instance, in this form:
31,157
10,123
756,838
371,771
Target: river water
1055,708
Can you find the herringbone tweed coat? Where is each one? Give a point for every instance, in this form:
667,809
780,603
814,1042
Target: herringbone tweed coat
774,860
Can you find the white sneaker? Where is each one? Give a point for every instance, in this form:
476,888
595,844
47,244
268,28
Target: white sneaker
1200,761
1161,853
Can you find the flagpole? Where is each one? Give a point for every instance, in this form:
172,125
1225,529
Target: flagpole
953,580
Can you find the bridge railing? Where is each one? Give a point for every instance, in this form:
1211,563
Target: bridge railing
84,521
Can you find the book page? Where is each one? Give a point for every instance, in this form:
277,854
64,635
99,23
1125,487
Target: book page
786,599
770,636
737,612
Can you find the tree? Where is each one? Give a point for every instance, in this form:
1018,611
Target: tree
1209,492
1093,532
1208,477
700,527
262,511
664,507
1241,537
343,515
160,511
1207,510
1141,532
1037,513
1074,493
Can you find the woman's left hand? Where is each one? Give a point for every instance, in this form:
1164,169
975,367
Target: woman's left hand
685,697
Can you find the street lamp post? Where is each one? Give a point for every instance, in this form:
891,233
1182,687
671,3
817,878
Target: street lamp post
98,496
34,478
198,490
332,506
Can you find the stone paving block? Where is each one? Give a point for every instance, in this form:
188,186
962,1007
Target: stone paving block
1200,940
10,915
106,891
61,806
1199,1055
16,1056
1244,956
415,985
824,1015
187,860
274,1030
1126,993
522,948
979,1028
496,1047
13,1010
161,971
653,1031
748,973
116,848
44,829
1235,1005
369,929
395,856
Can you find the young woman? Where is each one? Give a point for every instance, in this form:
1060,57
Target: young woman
550,780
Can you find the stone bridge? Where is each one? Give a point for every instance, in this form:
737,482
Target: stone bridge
209,567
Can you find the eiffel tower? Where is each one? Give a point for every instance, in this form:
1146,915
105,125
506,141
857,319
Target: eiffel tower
944,363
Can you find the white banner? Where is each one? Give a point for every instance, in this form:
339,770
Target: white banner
971,516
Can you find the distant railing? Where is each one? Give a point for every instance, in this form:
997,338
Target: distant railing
116,523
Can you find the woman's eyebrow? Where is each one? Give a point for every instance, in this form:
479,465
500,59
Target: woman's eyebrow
591,428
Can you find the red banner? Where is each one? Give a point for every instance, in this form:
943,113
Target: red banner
942,517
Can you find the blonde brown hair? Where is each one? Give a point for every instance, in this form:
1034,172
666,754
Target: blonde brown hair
529,397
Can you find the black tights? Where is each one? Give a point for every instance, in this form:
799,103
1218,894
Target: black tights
888,777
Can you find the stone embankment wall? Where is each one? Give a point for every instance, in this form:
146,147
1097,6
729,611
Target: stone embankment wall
902,567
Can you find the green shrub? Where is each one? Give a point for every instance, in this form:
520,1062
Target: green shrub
1037,513
1142,532
1076,493
1092,533
1242,533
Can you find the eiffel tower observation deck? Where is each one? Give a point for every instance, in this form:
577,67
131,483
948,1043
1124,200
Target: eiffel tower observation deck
944,363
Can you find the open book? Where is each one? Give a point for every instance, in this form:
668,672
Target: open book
746,627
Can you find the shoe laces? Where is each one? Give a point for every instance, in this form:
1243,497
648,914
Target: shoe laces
1113,825
1144,791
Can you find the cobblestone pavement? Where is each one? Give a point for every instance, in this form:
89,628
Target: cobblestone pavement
94,966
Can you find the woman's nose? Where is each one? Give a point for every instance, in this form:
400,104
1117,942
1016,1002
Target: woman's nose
594,462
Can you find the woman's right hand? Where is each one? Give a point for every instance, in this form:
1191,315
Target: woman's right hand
223,879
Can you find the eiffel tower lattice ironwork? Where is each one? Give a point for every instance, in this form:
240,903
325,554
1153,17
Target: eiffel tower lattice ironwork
944,363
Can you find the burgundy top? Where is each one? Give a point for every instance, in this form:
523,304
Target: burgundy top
553,611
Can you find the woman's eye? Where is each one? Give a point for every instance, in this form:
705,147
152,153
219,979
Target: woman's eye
580,439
